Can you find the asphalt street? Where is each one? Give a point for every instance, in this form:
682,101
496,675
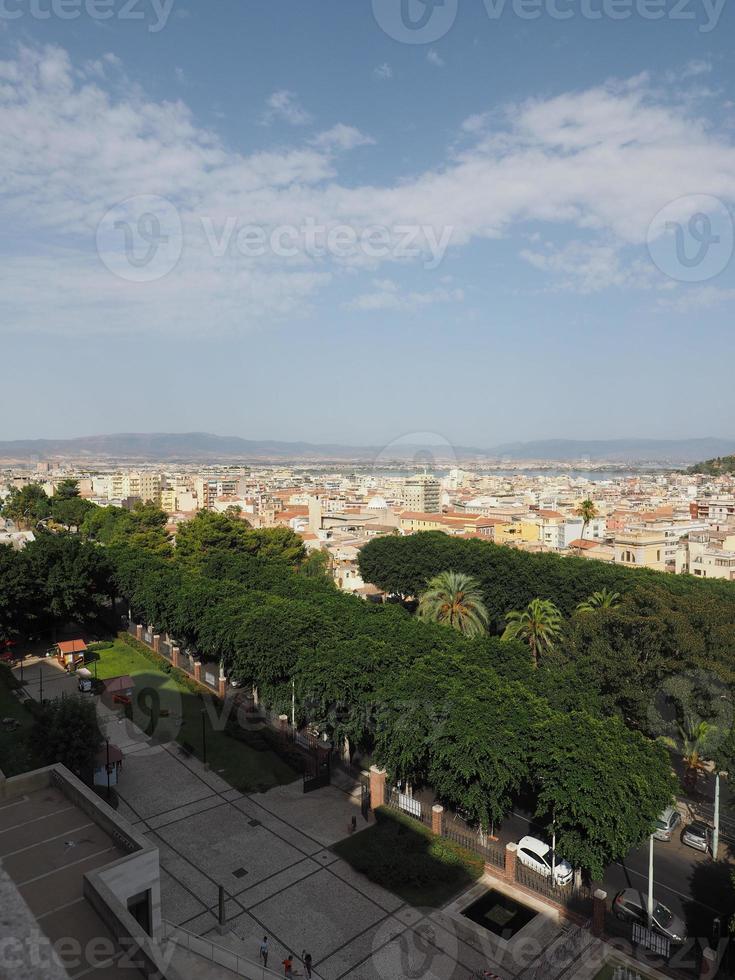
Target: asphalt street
685,880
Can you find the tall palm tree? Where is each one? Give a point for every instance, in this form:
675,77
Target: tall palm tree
604,599
587,511
455,599
539,625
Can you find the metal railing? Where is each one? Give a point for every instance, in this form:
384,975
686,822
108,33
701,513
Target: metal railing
571,896
240,965
491,854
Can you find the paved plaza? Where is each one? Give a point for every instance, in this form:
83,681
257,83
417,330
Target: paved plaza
271,852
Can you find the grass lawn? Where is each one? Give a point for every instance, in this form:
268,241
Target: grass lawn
403,856
15,755
167,709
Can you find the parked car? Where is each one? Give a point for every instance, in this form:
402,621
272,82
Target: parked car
667,823
698,835
536,854
631,905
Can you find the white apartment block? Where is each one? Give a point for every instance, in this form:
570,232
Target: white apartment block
707,554
422,494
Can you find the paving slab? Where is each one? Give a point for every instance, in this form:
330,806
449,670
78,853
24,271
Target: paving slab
321,913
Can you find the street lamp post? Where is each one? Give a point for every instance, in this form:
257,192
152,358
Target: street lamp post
204,736
650,882
40,682
716,829
293,706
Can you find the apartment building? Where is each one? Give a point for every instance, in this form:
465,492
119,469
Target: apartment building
130,483
707,554
423,494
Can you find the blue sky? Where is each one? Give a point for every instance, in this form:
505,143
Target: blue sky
281,219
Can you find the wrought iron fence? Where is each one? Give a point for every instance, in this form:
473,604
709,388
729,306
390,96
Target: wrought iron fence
572,896
492,854
409,805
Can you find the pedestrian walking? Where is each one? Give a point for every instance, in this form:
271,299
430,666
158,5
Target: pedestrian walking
264,951
306,957
288,966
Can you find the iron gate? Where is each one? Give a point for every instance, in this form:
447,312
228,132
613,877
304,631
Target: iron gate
318,771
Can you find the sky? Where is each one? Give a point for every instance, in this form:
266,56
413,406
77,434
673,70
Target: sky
354,220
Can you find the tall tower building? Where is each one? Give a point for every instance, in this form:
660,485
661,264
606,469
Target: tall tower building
423,494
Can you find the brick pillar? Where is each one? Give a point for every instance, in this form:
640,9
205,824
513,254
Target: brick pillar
197,671
283,724
377,787
599,911
157,642
175,654
222,686
511,852
709,964
437,819
139,633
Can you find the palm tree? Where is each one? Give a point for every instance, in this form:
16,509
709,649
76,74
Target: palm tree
692,743
587,511
604,599
455,599
539,625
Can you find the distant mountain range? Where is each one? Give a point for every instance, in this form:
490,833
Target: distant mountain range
205,446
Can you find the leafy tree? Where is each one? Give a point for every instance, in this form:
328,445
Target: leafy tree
337,687
454,599
27,506
16,592
66,730
316,565
67,489
70,511
209,532
71,579
603,599
539,625
603,786
143,527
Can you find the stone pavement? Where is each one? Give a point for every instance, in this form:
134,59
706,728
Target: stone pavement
271,852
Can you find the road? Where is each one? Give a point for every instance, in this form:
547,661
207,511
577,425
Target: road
685,880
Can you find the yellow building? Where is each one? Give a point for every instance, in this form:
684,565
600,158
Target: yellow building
642,549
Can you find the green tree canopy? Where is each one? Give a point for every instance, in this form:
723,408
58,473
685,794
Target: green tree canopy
27,506
602,784
66,730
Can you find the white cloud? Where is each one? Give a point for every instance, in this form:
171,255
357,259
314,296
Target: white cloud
341,137
384,72
694,298
285,105
387,295
585,267
434,58
595,165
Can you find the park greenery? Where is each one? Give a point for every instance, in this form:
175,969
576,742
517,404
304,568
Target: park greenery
466,712
718,466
